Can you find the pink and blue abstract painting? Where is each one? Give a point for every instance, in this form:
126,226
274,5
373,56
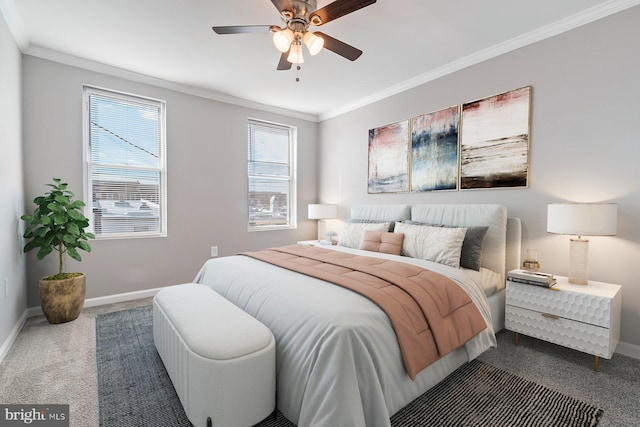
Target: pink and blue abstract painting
434,150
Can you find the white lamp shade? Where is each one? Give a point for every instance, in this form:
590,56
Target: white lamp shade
295,53
313,42
323,211
282,39
582,219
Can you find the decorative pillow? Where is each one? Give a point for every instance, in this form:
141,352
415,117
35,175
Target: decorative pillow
353,232
472,247
438,244
380,241
372,221
471,256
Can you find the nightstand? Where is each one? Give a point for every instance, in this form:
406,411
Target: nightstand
584,318
315,243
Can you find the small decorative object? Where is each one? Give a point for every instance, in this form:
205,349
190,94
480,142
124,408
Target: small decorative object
581,219
58,224
322,212
331,237
388,158
531,262
434,150
494,141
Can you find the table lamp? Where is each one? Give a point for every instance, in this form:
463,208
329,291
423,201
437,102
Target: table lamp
581,219
322,212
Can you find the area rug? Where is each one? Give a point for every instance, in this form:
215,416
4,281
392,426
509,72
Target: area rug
134,389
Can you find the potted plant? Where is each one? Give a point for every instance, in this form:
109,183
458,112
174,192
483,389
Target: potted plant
57,224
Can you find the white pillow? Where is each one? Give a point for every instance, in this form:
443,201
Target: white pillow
353,232
438,244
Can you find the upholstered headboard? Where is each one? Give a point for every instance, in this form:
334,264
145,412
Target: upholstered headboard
381,212
502,244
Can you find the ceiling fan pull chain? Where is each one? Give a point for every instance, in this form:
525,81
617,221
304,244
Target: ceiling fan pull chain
297,73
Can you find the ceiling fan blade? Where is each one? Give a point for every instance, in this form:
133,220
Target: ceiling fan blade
338,9
282,5
242,29
284,64
339,47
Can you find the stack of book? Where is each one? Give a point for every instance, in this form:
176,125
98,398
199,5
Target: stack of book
532,278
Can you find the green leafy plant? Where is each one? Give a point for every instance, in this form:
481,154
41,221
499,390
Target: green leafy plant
57,224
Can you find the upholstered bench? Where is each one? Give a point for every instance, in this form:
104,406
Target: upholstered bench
220,359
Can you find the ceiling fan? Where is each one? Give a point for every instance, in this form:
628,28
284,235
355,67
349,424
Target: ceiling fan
298,16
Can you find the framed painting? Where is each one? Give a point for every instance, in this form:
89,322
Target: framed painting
494,141
388,158
434,150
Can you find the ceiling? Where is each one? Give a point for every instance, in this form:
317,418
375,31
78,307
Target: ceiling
405,43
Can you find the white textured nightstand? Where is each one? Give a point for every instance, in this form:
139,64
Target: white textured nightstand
584,318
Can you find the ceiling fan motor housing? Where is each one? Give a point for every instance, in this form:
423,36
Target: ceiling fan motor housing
302,9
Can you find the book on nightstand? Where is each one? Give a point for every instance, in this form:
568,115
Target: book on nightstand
532,278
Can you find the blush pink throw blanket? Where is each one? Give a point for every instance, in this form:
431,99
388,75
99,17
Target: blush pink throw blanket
430,314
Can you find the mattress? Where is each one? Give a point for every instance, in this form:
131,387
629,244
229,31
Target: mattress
338,360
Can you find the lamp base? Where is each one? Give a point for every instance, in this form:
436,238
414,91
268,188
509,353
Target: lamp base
578,261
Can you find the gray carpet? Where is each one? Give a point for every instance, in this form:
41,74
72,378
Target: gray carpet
135,390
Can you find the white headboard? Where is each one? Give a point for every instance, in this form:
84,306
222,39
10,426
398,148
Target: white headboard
381,212
502,244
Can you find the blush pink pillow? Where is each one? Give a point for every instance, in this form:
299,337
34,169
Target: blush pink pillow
380,241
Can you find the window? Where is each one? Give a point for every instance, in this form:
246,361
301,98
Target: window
125,178
272,176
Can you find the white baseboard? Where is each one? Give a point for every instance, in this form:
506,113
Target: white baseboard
109,299
627,349
6,345
90,302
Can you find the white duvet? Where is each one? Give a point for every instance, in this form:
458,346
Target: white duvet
338,360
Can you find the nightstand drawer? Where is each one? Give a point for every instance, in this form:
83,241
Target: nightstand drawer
576,305
580,336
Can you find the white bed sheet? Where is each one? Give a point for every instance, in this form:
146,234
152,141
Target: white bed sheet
338,360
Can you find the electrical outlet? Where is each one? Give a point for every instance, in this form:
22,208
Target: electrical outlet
214,251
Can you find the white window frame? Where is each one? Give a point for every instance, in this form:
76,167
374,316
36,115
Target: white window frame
88,164
292,178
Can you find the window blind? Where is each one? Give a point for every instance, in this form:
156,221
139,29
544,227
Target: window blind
271,176
126,164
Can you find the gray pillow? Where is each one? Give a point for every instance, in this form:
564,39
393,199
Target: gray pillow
471,254
372,221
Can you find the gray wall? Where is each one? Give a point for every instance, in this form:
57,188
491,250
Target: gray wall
206,179
12,261
585,144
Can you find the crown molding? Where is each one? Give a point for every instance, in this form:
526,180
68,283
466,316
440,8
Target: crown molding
12,18
75,61
585,17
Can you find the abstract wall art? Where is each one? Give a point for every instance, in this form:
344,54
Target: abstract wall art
388,158
494,141
434,150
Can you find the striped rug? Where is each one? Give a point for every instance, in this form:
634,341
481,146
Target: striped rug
478,394
134,389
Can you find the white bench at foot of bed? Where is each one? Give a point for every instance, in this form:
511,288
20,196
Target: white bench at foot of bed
221,360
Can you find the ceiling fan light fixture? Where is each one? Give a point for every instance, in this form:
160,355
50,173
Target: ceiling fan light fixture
295,53
313,42
282,39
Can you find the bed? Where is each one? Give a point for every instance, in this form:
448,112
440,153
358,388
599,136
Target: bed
338,359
